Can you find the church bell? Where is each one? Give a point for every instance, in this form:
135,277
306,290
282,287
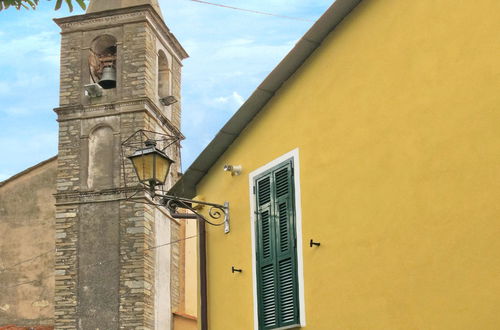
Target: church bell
108,79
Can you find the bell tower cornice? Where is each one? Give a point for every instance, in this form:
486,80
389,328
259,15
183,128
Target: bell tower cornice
104,5
72,112
117,17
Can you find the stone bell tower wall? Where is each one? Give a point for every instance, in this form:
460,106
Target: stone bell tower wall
141,35
110,274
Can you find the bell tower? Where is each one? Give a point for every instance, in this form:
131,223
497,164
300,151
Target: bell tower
120,72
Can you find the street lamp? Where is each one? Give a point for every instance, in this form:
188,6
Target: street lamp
151,166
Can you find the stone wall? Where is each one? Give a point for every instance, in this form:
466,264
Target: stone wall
97,225
66,267
70,91
176,91
27,247
137,67
107,262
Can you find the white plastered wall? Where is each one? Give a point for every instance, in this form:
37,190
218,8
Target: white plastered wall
163,313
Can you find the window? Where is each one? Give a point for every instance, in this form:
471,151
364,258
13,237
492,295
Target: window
163,75
277,281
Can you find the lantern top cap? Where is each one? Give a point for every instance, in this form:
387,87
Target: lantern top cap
150,148
150,143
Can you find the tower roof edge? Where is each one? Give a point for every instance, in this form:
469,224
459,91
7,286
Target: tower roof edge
103,5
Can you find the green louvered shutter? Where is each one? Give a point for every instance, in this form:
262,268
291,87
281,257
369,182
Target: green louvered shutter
286,248
276,249
266,243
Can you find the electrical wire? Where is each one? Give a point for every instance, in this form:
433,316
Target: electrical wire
252,11
27,282
24,261
100,263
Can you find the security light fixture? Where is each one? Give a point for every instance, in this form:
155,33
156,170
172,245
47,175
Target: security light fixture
168,100
93,90
234,169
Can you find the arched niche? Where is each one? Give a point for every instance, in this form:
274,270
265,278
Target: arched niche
101,158
163,75
102,61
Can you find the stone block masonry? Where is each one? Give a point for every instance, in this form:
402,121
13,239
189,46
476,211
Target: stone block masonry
106,260
137,266
66,271
70,81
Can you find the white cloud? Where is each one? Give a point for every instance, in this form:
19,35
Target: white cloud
240,42
252,51
235,98
221,99
22,51
15,111
231,52
238,98
21,82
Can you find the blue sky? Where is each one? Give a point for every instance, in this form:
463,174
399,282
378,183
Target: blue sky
231,52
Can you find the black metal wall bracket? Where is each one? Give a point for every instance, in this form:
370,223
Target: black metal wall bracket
311,243
234,270
216,211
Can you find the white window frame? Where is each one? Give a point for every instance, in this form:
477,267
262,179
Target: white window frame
294,156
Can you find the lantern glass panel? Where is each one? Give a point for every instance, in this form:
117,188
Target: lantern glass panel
162,167
144,166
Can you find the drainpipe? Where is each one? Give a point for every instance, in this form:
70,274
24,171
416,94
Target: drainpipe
202,255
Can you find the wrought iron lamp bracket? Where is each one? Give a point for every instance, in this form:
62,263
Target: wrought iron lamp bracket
147,148
215,212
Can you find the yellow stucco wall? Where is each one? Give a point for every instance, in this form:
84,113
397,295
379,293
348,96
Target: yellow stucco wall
397,121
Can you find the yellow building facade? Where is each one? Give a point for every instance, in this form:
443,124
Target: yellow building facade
389,113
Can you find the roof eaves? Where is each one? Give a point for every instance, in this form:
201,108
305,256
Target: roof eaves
29,169
313,38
